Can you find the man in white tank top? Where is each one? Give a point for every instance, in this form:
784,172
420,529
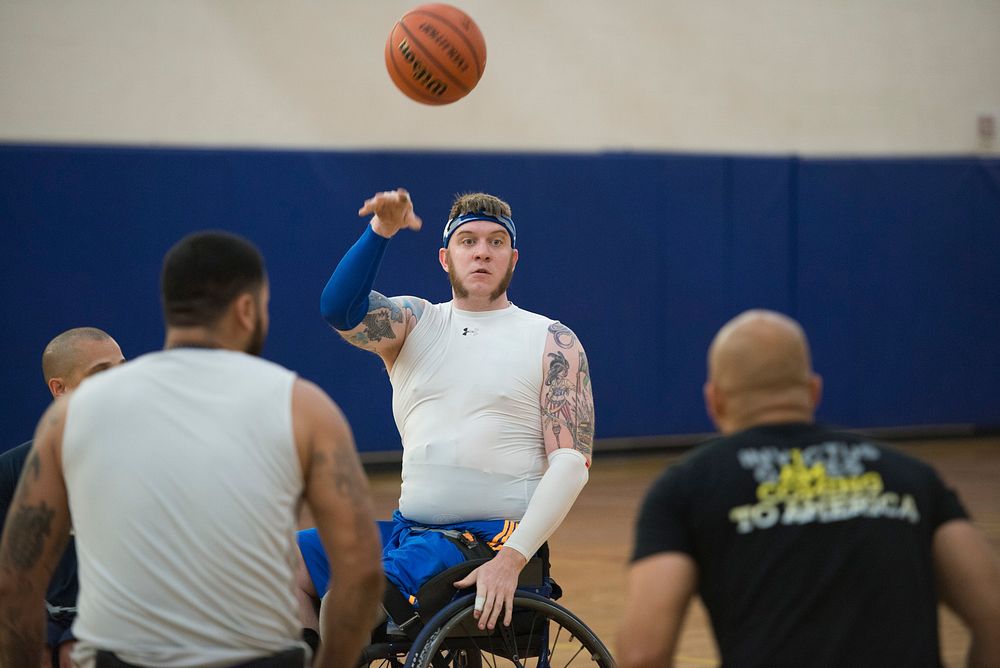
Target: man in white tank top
493,403
184,471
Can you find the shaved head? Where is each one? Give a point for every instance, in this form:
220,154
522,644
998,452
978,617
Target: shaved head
75,354
759,370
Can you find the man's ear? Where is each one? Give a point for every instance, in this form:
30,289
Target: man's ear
715,405
57,387
816,389
443,258
245,308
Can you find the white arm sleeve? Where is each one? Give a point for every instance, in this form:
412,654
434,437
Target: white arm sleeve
554,496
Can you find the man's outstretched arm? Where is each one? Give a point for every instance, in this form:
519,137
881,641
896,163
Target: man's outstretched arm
34,538
364,317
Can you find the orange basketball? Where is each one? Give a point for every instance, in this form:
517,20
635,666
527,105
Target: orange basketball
435,54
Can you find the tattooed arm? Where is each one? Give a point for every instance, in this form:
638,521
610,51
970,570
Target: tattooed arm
567,414
384,328
364,317
337,493
567,398
34,538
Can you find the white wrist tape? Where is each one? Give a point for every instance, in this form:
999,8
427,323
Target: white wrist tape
554,496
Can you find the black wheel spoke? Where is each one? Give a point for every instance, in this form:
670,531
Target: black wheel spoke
576,654
555,641
510,640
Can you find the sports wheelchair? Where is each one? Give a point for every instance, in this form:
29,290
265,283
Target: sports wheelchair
442,632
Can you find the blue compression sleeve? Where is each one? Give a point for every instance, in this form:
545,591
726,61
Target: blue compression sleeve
344,302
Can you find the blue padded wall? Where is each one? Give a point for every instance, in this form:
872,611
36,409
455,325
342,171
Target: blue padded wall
891,265
899,288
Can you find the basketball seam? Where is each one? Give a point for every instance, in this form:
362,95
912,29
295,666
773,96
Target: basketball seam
460,33
434,60
419,91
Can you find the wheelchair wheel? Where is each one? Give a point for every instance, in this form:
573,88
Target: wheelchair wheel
542,634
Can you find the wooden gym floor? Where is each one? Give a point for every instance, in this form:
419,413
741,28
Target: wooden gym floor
591,549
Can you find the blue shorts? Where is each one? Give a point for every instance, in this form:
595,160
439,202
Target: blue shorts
58,632
411,555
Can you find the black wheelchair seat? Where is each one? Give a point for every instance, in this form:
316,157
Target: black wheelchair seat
440,590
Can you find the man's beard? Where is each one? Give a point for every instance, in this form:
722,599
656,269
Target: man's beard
256,344
462,292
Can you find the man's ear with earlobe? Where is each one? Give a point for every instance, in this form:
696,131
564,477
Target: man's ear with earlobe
816,389
246,310
713,402
443,258
57,386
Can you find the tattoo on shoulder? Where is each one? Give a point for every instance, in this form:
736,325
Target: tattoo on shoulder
415,306
562,335
377,302
27,528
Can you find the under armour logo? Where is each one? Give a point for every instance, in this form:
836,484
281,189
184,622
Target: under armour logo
470,330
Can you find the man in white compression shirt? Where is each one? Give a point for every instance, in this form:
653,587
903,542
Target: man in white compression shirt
493,403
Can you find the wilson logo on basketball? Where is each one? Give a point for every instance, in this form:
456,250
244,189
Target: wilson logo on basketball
421,74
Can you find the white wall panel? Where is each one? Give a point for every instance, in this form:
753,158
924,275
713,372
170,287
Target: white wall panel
804,76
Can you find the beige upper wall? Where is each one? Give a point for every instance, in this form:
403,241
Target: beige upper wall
772,76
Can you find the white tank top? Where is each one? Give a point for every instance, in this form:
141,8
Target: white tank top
184,484
466,393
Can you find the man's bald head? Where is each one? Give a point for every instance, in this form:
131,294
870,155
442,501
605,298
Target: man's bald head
759,371
75,354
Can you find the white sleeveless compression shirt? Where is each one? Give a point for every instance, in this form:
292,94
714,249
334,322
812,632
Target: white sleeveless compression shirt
466,398
184,483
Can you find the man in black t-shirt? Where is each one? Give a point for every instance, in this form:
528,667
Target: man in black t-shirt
67,360
808,547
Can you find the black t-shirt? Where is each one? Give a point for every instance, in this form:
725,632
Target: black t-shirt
63,587
813,547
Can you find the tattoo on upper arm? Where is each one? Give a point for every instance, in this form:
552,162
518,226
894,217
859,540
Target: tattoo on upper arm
33,464
29,475
584,436
382,313
343,470
348,478
569,403
377,327
562,335
26,531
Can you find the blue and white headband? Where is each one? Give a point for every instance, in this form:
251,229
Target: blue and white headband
458,221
